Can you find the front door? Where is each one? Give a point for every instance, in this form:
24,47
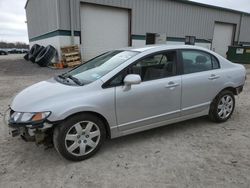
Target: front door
156,99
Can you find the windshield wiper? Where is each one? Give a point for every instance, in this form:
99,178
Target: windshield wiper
61,76
74,79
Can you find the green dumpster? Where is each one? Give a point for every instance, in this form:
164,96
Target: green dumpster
239,54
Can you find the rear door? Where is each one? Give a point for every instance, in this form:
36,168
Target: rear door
155,99
201,80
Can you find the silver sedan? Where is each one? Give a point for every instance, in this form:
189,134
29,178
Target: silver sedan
123,92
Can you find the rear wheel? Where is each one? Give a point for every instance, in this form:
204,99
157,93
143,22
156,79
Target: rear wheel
79,137
222,106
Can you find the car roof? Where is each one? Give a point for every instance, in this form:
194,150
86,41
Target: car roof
162,47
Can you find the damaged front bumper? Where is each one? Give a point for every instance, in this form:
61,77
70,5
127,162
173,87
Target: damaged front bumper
30,132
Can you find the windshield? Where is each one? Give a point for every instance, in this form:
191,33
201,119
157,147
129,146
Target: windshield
99,66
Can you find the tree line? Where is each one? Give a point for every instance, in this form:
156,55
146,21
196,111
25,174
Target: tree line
18,45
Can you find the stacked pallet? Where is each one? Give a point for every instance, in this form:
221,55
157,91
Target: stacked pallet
71,56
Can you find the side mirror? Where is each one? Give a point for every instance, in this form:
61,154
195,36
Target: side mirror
132,79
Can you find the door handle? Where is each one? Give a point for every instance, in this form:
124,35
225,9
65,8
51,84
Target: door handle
172,85
213,77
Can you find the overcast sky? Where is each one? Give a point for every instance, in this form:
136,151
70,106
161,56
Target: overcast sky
12,21
242,5
12,16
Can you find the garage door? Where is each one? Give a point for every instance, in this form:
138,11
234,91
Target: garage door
223,37
103,28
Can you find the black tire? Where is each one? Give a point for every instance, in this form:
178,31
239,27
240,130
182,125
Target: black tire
26,56
45,56
63,129
33,56
32,50
217,107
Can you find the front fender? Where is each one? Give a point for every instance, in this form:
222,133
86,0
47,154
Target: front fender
98,102
59,116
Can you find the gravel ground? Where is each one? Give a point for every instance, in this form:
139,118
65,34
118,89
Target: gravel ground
11,57
194,153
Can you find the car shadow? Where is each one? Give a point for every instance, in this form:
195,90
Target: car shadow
125,142
164,131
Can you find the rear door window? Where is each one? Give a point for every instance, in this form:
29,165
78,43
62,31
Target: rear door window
198,61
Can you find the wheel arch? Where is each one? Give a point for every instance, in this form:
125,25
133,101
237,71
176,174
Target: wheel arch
104,120
230,88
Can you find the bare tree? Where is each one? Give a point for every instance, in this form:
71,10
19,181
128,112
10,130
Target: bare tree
18,45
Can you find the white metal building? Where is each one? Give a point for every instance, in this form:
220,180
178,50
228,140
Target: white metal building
102,25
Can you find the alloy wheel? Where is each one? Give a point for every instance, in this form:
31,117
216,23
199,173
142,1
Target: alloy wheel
82,138
225,106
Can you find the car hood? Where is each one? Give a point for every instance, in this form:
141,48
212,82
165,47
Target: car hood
38,96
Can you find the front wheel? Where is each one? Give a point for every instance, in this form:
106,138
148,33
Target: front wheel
222,106
79,137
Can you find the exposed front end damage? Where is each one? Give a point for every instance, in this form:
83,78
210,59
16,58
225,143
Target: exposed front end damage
39,132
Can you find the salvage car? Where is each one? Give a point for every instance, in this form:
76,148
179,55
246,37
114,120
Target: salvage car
123,92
